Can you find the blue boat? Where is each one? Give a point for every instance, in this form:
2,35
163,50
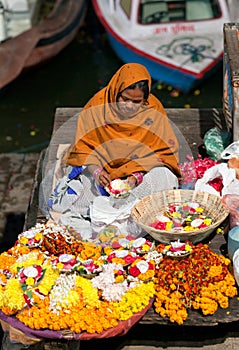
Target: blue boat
179,41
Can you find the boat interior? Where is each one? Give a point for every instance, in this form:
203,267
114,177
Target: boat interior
177,10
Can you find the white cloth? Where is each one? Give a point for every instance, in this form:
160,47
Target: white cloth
103,212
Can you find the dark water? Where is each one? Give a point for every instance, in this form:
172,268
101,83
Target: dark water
27,105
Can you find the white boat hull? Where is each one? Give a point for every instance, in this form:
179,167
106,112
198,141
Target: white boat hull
180,54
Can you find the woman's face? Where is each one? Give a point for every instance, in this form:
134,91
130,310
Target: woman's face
129,101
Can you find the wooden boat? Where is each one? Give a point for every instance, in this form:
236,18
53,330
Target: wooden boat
42,41
179,41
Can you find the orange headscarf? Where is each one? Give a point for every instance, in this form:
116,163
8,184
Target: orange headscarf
124,146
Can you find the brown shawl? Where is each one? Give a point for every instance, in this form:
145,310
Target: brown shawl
124,146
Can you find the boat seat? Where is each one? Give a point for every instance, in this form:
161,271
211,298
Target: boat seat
198,9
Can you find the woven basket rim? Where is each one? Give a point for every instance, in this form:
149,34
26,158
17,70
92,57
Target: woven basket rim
195,194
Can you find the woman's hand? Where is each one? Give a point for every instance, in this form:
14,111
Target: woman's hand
102,178
132,181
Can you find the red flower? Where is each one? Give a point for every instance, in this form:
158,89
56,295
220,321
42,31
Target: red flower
158,225
116,245
177,249
129,259
110,257
151,266
216,184
27,299
134,271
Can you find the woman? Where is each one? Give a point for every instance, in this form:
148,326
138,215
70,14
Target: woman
123,132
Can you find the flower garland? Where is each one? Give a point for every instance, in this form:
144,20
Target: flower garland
96,287
46,287
200,281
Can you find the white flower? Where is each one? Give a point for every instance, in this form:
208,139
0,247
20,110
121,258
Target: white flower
60,291
105,281
29,234
143,266
196,222
64,258
121,253
119,185
193,205
155,256
114,292
163,218
138,242
177,244
124,242
30,271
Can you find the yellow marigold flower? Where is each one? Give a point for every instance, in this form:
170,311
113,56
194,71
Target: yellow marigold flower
207,221
169,225
38,236
145,247
108,250
23,240
30,281
172,286
134,300
119,279
90,294
176,214
13,296
60,265
199,209
48,280
219,230
215,270
188,248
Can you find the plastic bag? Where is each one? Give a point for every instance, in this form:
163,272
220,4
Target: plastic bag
218,180
231,201
231,151
215,142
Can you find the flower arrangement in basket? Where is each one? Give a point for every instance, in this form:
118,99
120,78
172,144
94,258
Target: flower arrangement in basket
179,214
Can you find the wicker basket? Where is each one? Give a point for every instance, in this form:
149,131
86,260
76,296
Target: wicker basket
147,209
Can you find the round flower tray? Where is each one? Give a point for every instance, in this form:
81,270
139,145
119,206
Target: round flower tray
122,328
147,209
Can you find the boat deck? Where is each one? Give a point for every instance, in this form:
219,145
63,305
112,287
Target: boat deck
192,124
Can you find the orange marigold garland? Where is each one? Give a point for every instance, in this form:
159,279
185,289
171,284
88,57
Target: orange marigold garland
92,287
47,287
200,281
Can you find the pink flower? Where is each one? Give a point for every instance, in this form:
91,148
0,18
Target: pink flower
116,245
195,169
